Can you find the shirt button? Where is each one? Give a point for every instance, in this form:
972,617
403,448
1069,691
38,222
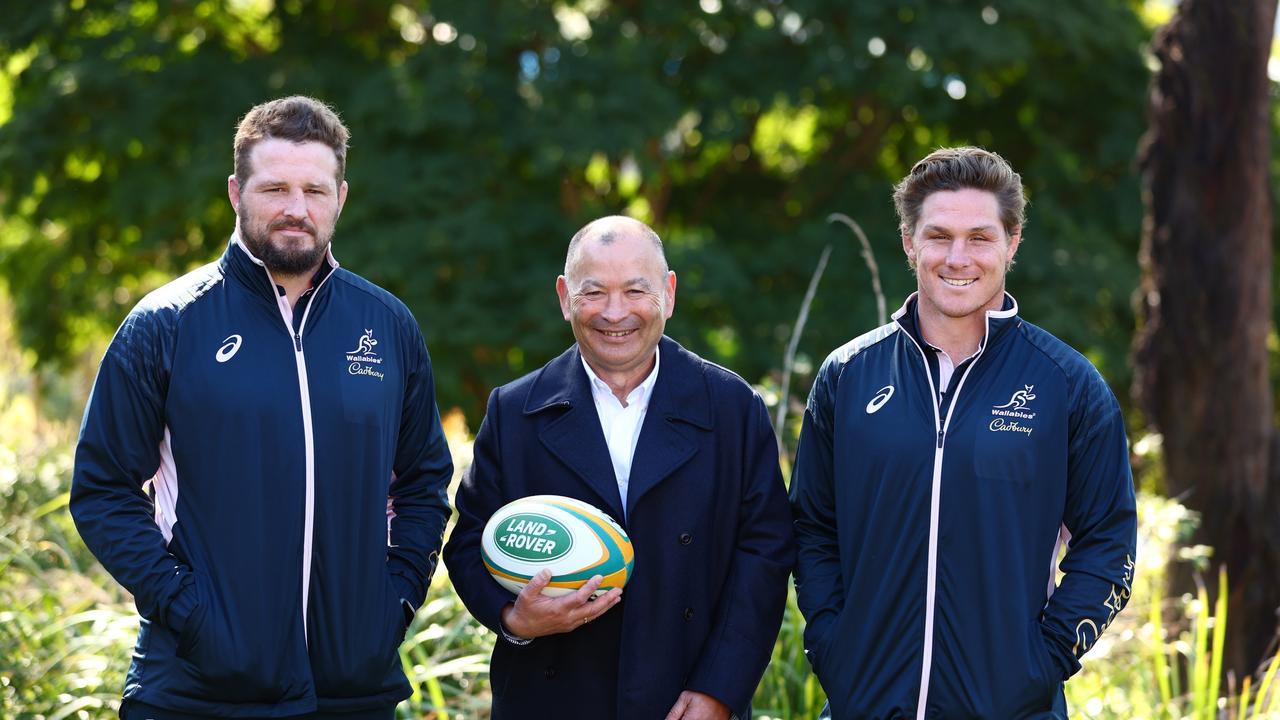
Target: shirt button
685,538
550,672
688,613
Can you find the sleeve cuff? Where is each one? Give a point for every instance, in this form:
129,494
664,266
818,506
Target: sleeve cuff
406,590
409,611
508,636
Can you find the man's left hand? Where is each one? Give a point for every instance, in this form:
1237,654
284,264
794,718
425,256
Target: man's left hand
696,706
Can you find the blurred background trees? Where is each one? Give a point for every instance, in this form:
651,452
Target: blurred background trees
485,132
1204,376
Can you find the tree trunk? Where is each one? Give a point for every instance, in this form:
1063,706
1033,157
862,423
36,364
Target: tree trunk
1201,353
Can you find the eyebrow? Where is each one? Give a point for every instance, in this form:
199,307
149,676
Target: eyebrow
975,229
276,182
592,283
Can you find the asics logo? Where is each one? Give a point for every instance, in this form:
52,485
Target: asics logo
882,397
229,348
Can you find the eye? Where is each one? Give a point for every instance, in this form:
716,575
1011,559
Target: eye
592,294
315,191
635,293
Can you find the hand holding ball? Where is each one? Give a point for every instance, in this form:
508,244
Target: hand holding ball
572,539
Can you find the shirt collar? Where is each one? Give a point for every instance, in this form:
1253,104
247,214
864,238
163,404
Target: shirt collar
640,394
328,266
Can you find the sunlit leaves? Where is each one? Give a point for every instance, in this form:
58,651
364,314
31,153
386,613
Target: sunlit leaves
484,134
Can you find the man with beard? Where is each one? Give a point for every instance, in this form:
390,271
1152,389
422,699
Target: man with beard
681,453
261,462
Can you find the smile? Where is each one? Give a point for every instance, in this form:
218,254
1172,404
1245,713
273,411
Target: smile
616,333
955,282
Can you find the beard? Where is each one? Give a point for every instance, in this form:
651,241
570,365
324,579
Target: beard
298,257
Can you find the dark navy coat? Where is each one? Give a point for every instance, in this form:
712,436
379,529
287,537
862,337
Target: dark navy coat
706,513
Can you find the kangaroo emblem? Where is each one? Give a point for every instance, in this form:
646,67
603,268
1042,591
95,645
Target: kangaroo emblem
1019,399
366,344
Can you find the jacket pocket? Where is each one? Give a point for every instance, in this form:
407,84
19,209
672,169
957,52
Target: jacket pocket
227,663
1045,664
355,639
1033,695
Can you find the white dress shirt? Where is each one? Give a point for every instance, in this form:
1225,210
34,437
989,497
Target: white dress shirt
621,425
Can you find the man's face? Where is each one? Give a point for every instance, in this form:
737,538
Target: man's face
961,253
289,205
617,297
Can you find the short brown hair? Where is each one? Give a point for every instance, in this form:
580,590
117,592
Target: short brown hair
297,119
961,168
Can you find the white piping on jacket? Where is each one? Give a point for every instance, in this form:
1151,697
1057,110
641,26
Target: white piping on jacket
165,485
935,495
308,434
1063,540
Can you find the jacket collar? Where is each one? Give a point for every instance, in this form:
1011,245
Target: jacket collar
679,409
678,393
238,262
998,322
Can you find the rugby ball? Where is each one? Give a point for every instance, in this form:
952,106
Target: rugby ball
572,539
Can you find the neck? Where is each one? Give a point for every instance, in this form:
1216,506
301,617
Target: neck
959,337
294,285
622,382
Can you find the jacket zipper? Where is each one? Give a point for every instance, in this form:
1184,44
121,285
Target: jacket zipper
940,425
308,436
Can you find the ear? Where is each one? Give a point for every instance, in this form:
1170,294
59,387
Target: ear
908,248
342,198
562,289
671,294
233,192
1015,239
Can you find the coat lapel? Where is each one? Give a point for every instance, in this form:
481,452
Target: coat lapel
571,432
678,416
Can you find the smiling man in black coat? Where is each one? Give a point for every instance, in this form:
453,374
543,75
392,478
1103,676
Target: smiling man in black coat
680,452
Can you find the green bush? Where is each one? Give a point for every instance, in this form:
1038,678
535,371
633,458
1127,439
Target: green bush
65,626
1162,657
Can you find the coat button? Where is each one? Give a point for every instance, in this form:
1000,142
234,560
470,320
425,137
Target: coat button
685,538
688,613
550,672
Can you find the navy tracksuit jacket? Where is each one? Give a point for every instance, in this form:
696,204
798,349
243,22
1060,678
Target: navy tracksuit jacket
929,523
297,500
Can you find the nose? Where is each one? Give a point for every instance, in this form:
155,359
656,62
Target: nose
958,252
615,309
296,207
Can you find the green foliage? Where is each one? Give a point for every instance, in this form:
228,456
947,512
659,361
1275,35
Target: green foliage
446,657
486,133
65,626
789,689
1162,657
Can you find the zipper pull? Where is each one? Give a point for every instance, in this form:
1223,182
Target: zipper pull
297,344
940,434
